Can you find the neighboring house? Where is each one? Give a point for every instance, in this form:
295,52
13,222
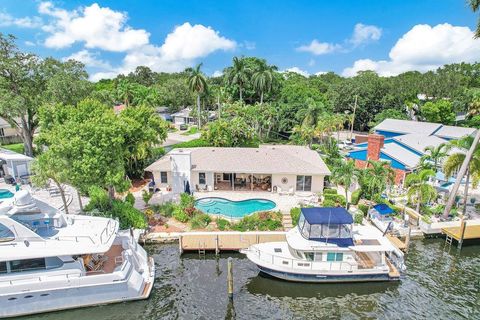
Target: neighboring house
14,164
8,134
163,113
402,143
184,117
267,168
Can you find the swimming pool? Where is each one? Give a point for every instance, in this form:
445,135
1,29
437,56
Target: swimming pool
233,209
5,194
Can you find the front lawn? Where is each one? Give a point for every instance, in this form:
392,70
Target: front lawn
16,147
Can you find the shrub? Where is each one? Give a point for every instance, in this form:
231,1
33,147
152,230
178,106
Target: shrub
295,214
99,200
149,213
187,201
335,198
200,142
329,191
267,220
200,221
363,208
355,197
180,215
130,198
146,195
223,224
358,218
165,209
328,203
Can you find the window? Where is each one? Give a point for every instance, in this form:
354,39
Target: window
308,256
334,256
163,177
304,183
27,265
2,132
201,178
3,267
277,250
318,256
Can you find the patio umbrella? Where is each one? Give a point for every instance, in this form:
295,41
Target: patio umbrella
187,187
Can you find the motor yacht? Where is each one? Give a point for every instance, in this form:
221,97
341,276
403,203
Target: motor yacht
383,217
327,247
51,261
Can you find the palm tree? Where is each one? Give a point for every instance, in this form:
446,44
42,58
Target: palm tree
475,5
125,91
474,107
455,160
419,189
311,114
239,74
263,80
343,174
197,84
375,177
434,155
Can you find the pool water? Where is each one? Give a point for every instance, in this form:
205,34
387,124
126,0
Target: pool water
5,194
233,209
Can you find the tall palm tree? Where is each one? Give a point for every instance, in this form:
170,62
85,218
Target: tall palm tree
375,177
311,114
263,80
344,174
475,6
434,155
419,190
239,74
125,91
455,160
197,84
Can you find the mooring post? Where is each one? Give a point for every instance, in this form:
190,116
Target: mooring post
407,239
180,243
463,226
230,277
217,248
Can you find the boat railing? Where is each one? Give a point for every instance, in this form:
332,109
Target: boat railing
309,265
107,232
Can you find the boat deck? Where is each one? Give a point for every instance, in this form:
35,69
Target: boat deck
364,260
107,262
393,273
397,242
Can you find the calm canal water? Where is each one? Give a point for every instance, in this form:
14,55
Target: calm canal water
438,285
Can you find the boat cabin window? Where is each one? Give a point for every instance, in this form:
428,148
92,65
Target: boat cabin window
309,256
334,256
318,256
27,265
277,250
3,267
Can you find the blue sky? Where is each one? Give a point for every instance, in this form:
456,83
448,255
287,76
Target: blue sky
111,37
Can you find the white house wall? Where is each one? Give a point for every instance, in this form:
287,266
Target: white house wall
291,181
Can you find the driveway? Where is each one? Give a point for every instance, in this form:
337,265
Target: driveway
177,137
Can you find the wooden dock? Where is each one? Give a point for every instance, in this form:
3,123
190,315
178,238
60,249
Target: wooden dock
397,242
225,240
471,232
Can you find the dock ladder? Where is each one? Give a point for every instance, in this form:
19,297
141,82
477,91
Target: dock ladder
448,241
201,248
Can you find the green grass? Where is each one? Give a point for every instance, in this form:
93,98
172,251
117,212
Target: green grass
191,130
16,147
192,144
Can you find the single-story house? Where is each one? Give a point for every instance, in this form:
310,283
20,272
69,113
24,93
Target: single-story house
8,134
164,113
275,168
183,116
402,143
14,164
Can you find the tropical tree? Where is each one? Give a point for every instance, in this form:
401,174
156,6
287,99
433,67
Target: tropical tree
344,174
374,178
197,84
475,6
434,156
263,80
239,74
229,133
455,160
312,113
420,191
125,91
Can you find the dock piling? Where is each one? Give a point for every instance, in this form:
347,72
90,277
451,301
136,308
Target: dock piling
407,239
463,226
230,277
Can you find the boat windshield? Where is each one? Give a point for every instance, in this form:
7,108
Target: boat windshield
6,234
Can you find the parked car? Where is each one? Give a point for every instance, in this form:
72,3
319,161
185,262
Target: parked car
183,127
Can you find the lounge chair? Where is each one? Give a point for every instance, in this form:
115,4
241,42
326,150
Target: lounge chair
290,191
280,191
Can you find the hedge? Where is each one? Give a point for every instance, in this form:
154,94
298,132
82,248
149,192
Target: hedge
358,218
329,191
356,196
295,214
363,208
329,203
335,198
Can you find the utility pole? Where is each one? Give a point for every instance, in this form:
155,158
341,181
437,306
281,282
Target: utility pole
353,117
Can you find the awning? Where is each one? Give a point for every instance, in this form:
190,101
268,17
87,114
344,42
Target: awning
383,209
327,215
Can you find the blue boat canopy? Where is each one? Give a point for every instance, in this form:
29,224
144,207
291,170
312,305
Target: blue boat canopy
327,215
383,209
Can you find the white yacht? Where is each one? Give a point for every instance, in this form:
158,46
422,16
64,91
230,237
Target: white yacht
52,261
326,247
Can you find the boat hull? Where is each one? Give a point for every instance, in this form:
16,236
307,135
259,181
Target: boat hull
323,278
29,303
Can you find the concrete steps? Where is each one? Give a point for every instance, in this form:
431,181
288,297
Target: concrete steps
287,222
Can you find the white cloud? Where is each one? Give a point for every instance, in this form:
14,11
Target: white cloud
189,42
424,48
365,33
319,73
217,73
249,45
89,59
98,27
311,63
318,48
29,43
297,70
6,20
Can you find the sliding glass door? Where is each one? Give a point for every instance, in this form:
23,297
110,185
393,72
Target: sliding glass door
304,183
